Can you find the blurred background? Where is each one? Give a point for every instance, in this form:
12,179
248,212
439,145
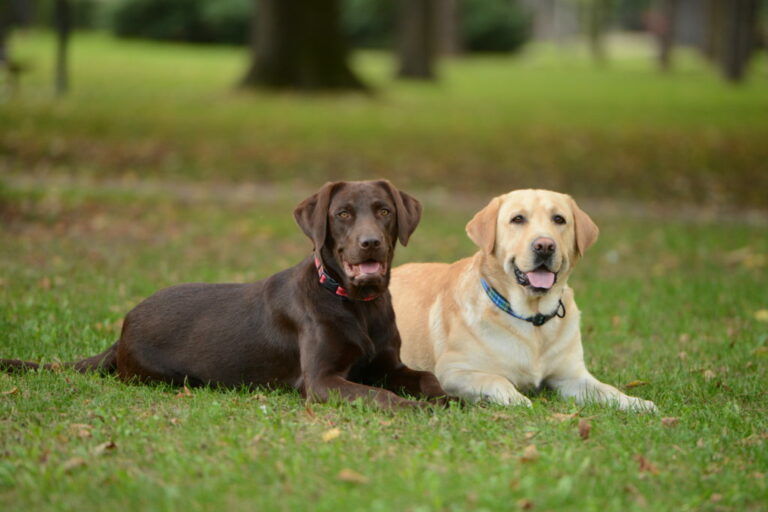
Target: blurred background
644,100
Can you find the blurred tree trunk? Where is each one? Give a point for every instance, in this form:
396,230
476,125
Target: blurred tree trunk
298,44
62,22
416,38
596,18
666,33
713,41
739,37
447,31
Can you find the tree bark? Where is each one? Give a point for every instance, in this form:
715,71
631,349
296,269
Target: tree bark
416,38
447,31
739,37
62,21
597,16
666,34
298,44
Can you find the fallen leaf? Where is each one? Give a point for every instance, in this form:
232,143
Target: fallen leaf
670,422
639,498
635,384
708,374
646,466
584,429
700,443
175,421
330,435
615,321
530,453
715,497
352,476
684,338
184,393
103,448
561,417
761,315
682,355
308,411
525,504
73,463
760,351
11,391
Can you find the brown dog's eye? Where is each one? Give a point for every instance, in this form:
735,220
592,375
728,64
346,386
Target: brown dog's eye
344,214
558,219
384,212
518,219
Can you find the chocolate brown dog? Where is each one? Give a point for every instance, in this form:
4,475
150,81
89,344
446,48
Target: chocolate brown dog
325,325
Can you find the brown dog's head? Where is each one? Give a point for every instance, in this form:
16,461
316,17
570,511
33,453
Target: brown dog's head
536,236
354,227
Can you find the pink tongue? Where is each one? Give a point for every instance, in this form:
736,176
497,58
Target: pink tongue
541,278
370,267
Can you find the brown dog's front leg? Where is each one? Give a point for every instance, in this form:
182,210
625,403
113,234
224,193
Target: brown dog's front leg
321,389
414,382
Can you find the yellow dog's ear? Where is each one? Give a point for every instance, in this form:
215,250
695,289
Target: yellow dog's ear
482,228
585,229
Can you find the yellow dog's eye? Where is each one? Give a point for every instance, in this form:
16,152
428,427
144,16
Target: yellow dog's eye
384,212
518,219
558,219
344,214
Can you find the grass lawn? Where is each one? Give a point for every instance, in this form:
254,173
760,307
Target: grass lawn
671,302
492,123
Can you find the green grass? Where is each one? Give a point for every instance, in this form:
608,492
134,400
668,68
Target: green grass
491,123
669,300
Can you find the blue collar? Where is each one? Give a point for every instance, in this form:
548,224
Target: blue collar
503,304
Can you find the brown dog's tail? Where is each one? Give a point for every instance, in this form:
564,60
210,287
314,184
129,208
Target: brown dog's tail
106,362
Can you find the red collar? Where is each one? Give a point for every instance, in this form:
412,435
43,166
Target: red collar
330,283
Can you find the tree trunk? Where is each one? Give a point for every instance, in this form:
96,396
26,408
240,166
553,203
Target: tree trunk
416,36
738,41
596,20
666,33
298,44
447,31
62,21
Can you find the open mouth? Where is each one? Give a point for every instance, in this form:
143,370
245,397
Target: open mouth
540,278
366,269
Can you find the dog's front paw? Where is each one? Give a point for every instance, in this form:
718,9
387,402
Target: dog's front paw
505,393
632,403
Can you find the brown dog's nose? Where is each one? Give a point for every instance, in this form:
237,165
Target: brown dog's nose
370,242
544,246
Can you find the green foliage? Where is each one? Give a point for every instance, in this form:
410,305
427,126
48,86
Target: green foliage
199,21
494,25
369,23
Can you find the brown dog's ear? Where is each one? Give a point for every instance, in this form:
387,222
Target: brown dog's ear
482,228
585,229
408,212
312,214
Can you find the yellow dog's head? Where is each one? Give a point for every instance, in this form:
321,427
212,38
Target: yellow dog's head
536,236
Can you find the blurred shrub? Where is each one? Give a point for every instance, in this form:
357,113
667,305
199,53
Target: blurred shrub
494,25
485,25
369,23
198,21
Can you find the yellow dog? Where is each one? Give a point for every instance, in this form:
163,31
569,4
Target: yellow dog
505,319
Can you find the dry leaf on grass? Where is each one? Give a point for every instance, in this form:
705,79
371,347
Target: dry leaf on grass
352,476
635,384
330,435
670,421
761,315
646,466
11,391
106,447
525,504
530,453
73,463
585,427
561,417
184,393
